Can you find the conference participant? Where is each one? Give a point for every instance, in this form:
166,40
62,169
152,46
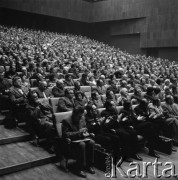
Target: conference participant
39,120
42,90
5,85
84,80
82,146
127,135
140,126
110,141
160,116
111,97
137,96
80,99
11,73
124,96
100,88
66,103
96,100
68,80
58,90
18,99
149,94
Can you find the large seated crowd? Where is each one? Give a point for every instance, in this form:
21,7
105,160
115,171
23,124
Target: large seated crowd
112,97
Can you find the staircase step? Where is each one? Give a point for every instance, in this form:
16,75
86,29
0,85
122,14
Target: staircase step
52,172
8,136
22,155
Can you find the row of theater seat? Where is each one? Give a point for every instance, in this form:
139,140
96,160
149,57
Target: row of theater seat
32,81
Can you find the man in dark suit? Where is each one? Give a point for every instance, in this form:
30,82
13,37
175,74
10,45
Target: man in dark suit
18,99
42,91
75,129
39,119
5,85
66,103
68,80
58,90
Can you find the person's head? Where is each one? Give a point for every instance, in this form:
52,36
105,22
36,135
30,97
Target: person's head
112,77
33,97
167,82
95,95
152,82
91,110
78,95
176,99
156,102
150,91
84,77
167,90
137,91
77,114
109,105
69,93
99,82
24,69
143,103
60,83
109,94
127,105
77,85
1,73
102,77
124,83
157,90
169,99
52,77
23,77
42,85
68,77
124,92
143,81
17,82
158,81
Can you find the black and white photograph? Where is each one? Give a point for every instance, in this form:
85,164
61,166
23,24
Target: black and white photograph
88,89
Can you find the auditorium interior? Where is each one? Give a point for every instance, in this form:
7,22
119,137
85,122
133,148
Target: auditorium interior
88,89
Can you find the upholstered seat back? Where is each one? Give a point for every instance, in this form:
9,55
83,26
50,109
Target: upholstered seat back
99,111
86,90
54,104
59,117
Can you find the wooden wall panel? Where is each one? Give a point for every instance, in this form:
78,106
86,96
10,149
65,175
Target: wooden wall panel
70,9
129,43
160,27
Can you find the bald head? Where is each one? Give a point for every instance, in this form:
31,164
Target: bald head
59,83
42,85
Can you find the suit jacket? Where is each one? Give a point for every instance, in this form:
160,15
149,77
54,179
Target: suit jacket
100,90
69,83
71,130
80,103
4,85
172,110
155,110
57,92
65,104
17,97
40,93
140,112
